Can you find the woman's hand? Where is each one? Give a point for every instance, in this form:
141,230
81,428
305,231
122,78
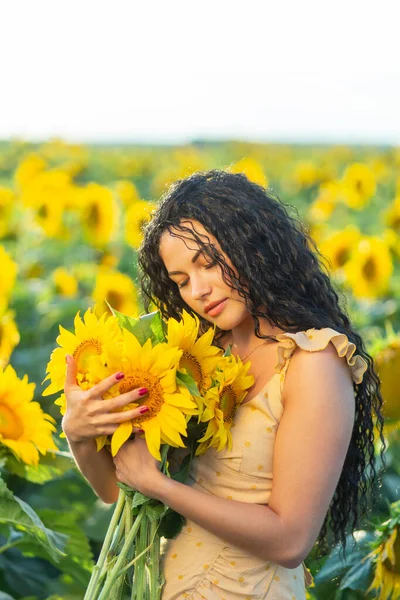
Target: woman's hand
89,416
136,467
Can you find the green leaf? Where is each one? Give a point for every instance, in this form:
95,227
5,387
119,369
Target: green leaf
228,350
158,327
17,513
359,577
51,467
183,472
148,326
4,596
189,382
171,524
139,499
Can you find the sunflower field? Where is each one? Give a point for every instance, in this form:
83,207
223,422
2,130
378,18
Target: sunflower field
70,224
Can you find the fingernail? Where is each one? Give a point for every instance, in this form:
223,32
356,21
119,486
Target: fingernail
119,376
144,409
143,391
140,430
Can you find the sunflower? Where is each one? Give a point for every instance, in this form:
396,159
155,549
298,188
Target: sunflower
305,174
252,169
127,192
370,268
100,214
93,343
137,215
200,358
326,201
223,401
339,245
358,185
65,283
28,169
7,200
392,214
7,279
119,291
169,404
388,364
24,427
386,580
9,337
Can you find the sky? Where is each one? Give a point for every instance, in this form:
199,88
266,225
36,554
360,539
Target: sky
169,72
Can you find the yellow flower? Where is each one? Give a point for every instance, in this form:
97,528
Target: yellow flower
392,214
339,245
28,169
137,215
388,364
200,358
252,169
223,401
386,580
358,185
305,174
369,270
24,427
92,345
7,279
9,337
127,191
65,283
7,200
100,214
119,291
155,369
325,203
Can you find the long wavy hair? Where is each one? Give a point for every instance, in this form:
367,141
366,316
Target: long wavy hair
289,286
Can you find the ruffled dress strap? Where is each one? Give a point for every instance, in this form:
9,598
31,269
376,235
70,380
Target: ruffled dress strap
313,340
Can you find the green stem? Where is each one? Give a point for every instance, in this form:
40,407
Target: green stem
91,591
9,545
113,575
154,563
139,578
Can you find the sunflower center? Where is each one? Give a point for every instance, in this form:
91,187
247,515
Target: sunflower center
342,256
228,403
359,186
11,426
192,367
369,269
115,299
94,215
154,398
396,549
43,211
84,352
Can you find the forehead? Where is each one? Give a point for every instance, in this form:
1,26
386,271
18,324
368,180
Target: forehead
172,246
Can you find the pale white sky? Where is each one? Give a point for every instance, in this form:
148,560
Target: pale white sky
172,70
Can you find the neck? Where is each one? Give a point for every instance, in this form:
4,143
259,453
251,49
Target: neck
244,339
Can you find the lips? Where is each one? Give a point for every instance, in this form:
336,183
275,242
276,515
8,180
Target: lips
214,304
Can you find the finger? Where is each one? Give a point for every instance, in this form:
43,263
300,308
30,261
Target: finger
70,376
124,415
123,399
103,386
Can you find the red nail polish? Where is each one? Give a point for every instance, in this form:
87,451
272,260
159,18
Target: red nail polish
143,391
144,409
119,376
141,431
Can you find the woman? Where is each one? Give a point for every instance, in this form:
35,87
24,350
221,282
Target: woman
220,247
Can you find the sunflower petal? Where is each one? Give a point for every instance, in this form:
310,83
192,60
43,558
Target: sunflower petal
120,436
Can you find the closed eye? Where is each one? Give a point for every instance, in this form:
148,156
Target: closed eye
209,265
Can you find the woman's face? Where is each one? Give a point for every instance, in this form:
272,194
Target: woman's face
200,281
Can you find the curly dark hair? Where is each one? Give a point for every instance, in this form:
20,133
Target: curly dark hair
290,287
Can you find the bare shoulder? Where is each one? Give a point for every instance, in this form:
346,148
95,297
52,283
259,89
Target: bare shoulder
322,370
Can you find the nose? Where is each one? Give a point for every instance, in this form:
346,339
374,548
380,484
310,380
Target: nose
200,288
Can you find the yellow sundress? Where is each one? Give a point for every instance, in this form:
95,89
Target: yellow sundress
200,566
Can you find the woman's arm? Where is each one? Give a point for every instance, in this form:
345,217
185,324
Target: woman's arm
310,448
98,469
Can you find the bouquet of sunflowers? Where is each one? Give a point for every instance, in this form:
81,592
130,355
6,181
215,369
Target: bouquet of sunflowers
194,390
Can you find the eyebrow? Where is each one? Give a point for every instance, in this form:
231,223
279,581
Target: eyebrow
194,258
